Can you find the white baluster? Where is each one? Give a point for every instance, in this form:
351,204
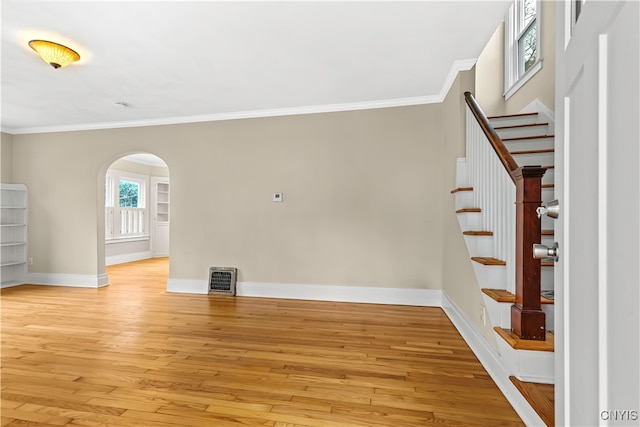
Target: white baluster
494,193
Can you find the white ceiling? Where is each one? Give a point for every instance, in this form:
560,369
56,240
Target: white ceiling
180,61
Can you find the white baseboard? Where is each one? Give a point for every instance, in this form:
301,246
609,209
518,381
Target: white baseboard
187,286
71,280
10,285
121,259
358,294
491,361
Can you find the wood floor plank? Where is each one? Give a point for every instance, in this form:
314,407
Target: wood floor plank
131,354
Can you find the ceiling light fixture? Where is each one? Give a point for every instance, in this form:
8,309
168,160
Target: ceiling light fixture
54,54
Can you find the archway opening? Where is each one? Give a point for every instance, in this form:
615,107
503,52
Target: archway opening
137,204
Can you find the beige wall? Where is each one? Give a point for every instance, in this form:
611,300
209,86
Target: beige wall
458,278
490,72
362,195
6,158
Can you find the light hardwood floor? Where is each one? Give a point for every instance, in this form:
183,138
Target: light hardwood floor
131,354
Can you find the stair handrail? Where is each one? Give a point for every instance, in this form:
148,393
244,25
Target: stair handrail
527,317
501,150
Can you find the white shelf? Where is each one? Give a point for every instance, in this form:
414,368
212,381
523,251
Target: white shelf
162,203
13,239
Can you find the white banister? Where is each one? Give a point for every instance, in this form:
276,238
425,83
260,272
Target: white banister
494,193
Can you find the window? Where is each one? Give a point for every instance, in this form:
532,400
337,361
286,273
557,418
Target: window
128,194
522,44
125,205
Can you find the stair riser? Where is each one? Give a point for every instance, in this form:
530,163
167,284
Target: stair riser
523,131
464,200
514,121
547,240
490,276
549,176
469,220
536,159
547,196
530,144
462,175
530,366
548,316
500,313
546,278
547,223
479,246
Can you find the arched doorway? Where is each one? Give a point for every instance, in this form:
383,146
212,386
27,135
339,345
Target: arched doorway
136,209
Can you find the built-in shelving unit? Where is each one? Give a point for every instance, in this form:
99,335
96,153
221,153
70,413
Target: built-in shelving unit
13,234
160,216
162,203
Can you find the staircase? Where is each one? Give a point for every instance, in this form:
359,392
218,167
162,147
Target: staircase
489,233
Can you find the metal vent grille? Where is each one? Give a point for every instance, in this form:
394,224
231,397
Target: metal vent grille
222,280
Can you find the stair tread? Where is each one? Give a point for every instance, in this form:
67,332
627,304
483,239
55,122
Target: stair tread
512,115
547,150
548,232
524,138
540,397
547,264
521,126
548,185
469,210
488,260
502,295
477,233
456,190
519,344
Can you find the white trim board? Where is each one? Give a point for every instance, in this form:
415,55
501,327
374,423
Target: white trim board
357,294
70,280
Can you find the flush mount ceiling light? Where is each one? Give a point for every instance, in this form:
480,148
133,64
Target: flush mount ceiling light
54,54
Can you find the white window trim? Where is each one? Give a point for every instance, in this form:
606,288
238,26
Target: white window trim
512,80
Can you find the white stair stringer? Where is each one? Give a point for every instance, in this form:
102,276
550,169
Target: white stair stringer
526,365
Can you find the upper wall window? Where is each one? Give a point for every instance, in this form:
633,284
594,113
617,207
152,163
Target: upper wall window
523,57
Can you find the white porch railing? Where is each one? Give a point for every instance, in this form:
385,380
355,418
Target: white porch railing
132,221
494,193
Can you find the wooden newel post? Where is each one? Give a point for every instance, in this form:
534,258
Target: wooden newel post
527,317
